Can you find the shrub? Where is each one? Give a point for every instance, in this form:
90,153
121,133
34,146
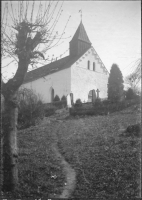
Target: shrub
49,111
56,98
60,104
63,98
106,102
78,103
97,102
31,108
130,94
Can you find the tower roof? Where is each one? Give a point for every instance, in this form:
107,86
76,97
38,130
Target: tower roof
81,34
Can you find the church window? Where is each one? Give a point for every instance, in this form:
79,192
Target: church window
88,64
94,66
91,96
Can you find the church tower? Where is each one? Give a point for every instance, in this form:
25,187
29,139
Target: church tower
80,41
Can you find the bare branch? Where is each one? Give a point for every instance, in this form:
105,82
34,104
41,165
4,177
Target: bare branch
23,38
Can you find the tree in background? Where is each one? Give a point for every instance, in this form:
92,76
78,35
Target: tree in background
134,79
115,84
27,33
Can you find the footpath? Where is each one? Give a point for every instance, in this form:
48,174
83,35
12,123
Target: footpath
70,175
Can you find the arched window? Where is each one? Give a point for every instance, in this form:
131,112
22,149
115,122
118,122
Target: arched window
88,64
91,96
94,66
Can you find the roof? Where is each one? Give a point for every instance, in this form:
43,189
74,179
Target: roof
81,34
51,68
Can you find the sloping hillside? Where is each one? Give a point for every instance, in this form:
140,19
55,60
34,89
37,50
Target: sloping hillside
106,161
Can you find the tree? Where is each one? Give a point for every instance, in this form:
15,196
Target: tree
27,34
133,79
115,84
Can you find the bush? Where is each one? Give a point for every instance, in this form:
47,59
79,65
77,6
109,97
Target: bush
103,108
56,98
31,108
60,104
97,102
49,111
106,102
130,94
78,103
63,98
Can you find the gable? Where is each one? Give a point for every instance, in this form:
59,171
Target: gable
91,58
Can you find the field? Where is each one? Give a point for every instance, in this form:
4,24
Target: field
106,162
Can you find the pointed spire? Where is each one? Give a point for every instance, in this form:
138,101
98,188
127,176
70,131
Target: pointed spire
80,41
81,34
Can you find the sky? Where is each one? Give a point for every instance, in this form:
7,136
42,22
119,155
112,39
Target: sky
113,27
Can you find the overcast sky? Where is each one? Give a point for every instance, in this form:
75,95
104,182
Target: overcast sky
113,27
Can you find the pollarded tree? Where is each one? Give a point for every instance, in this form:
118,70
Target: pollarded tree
27,34
115,84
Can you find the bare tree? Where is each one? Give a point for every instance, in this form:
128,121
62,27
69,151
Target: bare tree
133,79
26,40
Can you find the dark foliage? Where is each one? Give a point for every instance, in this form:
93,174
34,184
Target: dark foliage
133,130
56,98
78,103
63,98
60,104
115,84
49,111
130,94
31,108
103,108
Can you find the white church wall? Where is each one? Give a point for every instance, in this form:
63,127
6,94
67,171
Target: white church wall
83,79
59,81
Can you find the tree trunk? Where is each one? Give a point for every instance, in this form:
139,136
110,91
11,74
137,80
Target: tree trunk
10,150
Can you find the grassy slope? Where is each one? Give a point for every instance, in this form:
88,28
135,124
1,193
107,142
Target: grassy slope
37,163
107,166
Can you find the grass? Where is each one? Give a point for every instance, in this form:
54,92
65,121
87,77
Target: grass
40,174
107,164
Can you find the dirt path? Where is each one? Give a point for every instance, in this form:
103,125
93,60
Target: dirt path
70,174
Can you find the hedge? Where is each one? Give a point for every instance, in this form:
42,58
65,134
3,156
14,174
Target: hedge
102,108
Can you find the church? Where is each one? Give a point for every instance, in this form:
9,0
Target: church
81,74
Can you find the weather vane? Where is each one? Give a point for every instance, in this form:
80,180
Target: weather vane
80,14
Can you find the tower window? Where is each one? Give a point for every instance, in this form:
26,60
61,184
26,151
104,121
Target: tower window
88,64
94,66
